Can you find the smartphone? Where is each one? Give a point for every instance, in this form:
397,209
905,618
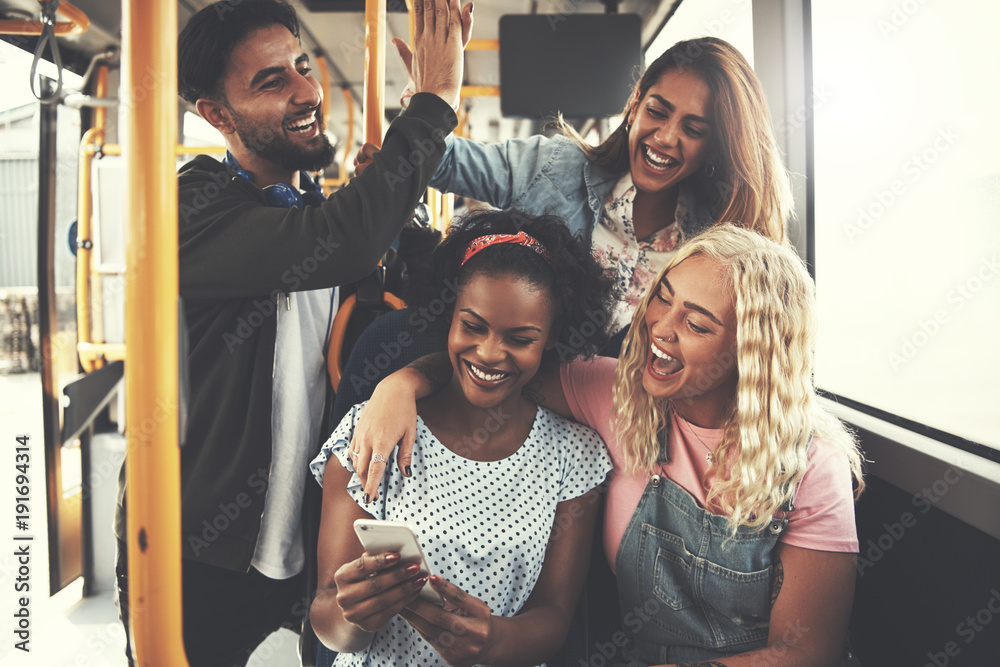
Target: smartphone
379,535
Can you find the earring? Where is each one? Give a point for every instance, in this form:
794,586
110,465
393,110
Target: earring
709,169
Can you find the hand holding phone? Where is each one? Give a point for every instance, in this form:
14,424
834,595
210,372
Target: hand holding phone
378,536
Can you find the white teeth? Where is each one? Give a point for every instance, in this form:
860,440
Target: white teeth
487,377
661,354
303,124
658,161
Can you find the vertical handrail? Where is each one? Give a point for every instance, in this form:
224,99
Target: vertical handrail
149,37
85,242
349,143
324,80
92,138
374,110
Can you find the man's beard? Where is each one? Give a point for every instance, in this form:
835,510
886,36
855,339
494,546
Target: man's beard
278,148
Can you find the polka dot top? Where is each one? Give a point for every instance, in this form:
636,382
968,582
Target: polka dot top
483,525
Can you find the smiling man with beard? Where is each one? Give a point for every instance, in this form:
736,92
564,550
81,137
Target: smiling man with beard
260,253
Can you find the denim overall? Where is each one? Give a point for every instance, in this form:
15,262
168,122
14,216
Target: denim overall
694,591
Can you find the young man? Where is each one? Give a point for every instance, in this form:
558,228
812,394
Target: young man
258,263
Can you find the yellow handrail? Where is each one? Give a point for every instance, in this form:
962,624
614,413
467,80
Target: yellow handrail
480,91
374,109
483,45
93,353
324,80
77,24
84,247
330,183
149,34
84,227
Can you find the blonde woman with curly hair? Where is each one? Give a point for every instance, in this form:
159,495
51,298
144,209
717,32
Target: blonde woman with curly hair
730,514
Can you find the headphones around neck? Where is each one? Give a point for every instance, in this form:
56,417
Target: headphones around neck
282,195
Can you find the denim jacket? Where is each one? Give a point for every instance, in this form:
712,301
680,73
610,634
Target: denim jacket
544,176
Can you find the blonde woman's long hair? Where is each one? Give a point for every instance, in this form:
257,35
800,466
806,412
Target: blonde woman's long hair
749,185
774,414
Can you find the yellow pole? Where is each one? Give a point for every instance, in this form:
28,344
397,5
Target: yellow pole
324,78
374,70
480,91
84,237
85,225
149,34
483,45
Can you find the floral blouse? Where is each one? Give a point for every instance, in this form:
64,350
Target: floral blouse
632,262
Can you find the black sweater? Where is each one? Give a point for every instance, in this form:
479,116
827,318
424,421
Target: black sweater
237,257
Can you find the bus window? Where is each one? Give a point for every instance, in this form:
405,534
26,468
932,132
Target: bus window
906,206
731,20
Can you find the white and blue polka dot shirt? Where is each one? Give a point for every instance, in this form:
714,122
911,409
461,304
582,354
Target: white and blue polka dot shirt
483,525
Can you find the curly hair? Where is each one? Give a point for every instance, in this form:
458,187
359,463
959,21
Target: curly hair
208,40
576,285
750,186
773,415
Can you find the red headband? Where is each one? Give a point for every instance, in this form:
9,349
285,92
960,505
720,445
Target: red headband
492,239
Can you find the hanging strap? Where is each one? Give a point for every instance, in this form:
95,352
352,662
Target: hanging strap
48,36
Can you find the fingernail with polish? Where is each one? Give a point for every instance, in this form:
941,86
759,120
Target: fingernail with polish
368,499
391,557
411,568
420,582
435,579
408,471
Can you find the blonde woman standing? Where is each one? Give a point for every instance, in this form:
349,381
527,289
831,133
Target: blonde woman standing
730,515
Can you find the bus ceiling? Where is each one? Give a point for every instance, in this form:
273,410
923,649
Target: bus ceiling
334,29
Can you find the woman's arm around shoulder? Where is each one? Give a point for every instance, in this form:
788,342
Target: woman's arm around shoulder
390,415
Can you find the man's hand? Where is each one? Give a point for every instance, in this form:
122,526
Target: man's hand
364,158
440,33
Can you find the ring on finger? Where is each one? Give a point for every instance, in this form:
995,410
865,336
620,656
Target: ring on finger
378,458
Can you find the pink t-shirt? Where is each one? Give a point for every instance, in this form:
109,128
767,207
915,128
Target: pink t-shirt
823,514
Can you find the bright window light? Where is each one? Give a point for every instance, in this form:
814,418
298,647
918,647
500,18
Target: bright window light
907,205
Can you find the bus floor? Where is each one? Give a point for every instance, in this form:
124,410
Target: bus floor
65,629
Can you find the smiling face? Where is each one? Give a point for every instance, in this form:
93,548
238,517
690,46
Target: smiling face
692,330
499,329
670,135
274,105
